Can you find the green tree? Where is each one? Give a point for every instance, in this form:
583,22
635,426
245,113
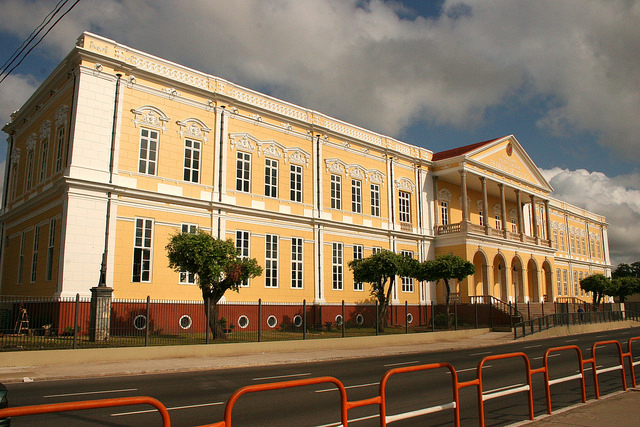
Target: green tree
217,268
599,285
627,270
445,268
624,286
378,270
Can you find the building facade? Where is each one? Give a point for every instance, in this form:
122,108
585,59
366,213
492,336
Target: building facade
118,149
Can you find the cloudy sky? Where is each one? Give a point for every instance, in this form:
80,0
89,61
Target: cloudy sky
561,75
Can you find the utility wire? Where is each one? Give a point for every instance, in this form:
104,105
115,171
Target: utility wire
38,42
31,36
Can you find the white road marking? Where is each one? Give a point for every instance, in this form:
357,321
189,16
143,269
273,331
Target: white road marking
534,346
542,357
573,340
282,376
346,387
480,354
350,421
146,411
91,392
401,363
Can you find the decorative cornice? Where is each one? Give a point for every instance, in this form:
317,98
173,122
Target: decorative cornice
148,115
194,128
405,184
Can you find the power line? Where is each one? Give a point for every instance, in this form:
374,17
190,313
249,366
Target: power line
38,42
31,36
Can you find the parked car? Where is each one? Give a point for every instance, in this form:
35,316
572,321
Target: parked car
4,402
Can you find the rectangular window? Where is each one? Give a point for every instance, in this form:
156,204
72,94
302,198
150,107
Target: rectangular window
444,212
592,248
296,262
481,217
243,172
14,182
336,264
50,247
407,282
555,238
34,255
142,250
565,282
514,226
43,160
271,261
584,246
270,178
599,249
498,223
29,176
336,192
404,206
21,258
559,282
575,284
375,200
186,278
573,244
358,251
59,148
296,183
562,248
148,151
242,246
356,196
191,160
376,250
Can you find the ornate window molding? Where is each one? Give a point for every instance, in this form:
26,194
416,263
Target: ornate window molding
270,148
31,142
45,129
355,171
194,128
15,157
405,184
241,141
497,210
62,115
150,116
444,194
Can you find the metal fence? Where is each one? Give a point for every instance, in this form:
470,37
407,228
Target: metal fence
532,326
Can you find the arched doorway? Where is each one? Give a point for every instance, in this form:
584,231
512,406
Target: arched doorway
518,279
500,278
532,279
548,281
481,276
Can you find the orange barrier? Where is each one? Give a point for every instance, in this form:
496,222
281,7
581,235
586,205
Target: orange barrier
88,404
612,368
632,364
548,383
482,396
455,404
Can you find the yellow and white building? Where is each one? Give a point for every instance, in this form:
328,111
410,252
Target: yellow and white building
118,149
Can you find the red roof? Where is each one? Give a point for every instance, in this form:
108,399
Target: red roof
461,150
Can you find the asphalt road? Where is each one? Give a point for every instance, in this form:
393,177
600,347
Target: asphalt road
197,398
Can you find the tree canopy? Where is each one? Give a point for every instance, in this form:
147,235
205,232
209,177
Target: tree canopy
598,284
216,266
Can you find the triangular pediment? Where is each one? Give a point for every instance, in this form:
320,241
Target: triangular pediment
506,156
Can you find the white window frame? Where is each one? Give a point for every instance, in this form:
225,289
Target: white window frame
29,176
444,212
358,253
296,183
142,250
243,172
356,196
243,243
337,266
148,153
60,135
481,216
514,225
498,222
271,261
562,246
336,192
21,257
271,177
376,250
184,277
297,262
34,254
44,155
404,206
565,282
192,160
559,281
375,200
407,285
50,248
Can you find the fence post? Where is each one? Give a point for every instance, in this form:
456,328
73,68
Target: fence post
528,310
406,317
206,318
475,306
510,316
455,315
75,322
433,318
259,319
304,319
146,329
377,315
343,319
491,314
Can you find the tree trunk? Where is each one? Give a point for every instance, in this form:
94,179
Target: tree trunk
213,321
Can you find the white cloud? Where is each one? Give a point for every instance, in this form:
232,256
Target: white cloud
617,198
14,91
366,65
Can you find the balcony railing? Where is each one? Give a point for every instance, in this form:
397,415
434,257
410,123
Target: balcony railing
476,228
449,228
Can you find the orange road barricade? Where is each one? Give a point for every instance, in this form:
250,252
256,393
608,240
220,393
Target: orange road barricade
516,389
632,364
88,404
280,385
454,404
548,382
612,368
